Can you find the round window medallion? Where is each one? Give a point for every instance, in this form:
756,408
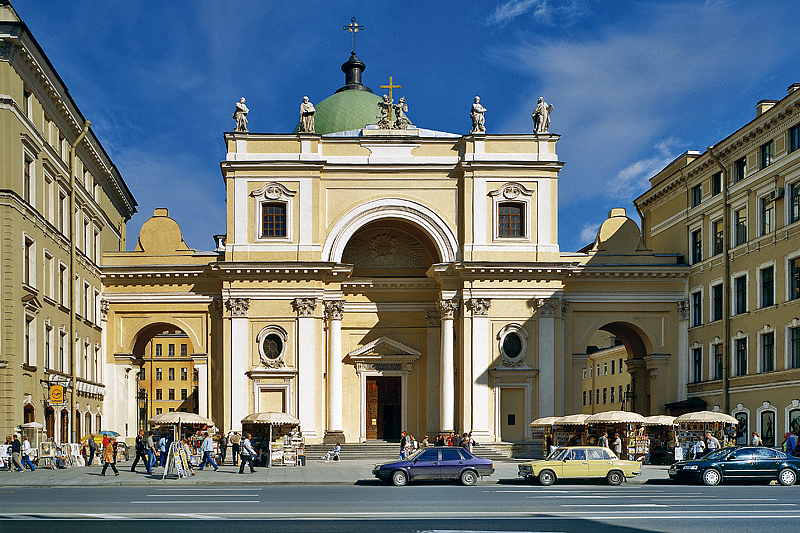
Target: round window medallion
273,346
512,345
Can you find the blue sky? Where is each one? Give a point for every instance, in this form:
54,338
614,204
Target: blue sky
634,84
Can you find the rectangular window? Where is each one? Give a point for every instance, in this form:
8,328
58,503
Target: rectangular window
48,333
171,374
158,373
159,410
184,394
794,202
172,350
767,152
697,195
158,350
27,353
158,394
620,364
26,180
62,339
61,210
26,102
509,222
605,369
597,370
767,287
584,373
739,169
716,184
597,397
697,365
741,357
697,308
740,223
62,284
612,394
716,301
28,262
613,363
171,394
605,395
590,397
794,279
697,246
794,138
620,397
767,215
584,398
273,220
740,285
794,359
184,350
184,374
717,361
768,352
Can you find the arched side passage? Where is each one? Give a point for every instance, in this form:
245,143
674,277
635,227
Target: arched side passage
626,327
142,332
392,208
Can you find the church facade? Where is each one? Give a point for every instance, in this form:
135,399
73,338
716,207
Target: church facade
377,280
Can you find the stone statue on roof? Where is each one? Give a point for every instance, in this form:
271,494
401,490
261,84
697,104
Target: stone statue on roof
384,113
307,113
477,116
401,122
240,116
541,116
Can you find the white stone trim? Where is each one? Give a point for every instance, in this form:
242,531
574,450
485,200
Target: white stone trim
742,409
512,193
362,437
285,387
794,323
766,406
273,193
791,407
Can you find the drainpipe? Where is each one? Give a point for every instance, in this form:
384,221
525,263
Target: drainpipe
726,284
72,229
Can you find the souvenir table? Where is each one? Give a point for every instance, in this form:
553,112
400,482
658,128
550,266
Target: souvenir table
275,437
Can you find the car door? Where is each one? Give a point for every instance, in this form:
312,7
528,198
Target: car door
451,464
426,465
738,464
765,462
576,464
599,464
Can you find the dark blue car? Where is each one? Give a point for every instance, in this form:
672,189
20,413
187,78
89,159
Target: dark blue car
745,463
446,462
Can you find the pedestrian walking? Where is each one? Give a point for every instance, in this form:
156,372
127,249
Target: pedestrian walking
603,440
26,453
235,440
207,449
403,444
698,449
790,444
92,449
110,457
247,454
150,446
617,444
425,442
712,443
163,443
223,449
16,452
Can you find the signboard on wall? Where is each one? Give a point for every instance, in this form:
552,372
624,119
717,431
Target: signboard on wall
56,395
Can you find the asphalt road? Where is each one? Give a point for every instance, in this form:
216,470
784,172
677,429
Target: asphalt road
371,506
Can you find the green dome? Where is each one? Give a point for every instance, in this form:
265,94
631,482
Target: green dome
344,111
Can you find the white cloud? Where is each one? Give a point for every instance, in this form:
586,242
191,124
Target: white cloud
588,232
634,178
541,10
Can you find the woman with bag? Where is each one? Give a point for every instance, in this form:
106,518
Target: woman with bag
110,457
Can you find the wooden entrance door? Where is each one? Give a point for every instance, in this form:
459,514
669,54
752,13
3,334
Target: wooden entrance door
383,408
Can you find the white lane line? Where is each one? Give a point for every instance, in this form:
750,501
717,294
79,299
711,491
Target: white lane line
626,505
199,502
206,488
107,516
173,495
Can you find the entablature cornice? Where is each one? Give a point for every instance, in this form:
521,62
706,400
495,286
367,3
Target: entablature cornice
510,270
636,271
165,272
243,270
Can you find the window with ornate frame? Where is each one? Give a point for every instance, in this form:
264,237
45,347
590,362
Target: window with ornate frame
511,207
271,342
513,345
273,209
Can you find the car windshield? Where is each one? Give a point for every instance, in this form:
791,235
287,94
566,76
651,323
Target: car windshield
416,454
558,454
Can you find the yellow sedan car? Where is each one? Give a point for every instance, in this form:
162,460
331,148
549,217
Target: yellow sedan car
580,462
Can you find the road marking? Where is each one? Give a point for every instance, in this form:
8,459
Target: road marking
173,495
627,505
202,502
206,488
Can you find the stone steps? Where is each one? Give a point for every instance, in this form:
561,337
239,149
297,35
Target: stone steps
382,451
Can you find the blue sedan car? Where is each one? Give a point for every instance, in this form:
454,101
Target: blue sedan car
445,462
744,463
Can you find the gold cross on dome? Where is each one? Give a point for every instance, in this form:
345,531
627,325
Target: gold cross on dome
390,87
354,27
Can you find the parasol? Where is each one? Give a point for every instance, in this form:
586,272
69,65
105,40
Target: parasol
174,418
615,417
546,421
659,420
706,416
572,420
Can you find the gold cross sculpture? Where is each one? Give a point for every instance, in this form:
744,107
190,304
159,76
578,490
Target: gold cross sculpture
390,87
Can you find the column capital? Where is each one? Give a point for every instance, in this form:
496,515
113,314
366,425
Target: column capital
433,318
479,306
448,308
548,306
238,307
104,307
304,306
683,310
334,309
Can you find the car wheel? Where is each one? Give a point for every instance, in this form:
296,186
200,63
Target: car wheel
712,477
547,478
787,477
615,477
469,477
399,478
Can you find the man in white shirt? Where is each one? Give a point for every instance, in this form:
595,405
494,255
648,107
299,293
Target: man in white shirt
712,442
26,452
207,449
247,454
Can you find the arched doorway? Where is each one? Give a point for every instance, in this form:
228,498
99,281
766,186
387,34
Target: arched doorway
28,414
50,423
88,423
637,397
64,426
77,419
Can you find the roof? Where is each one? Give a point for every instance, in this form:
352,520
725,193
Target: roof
343,111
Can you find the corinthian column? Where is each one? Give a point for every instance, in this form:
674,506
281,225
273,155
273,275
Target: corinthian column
334,311
307,384
447,388
240,351
480,353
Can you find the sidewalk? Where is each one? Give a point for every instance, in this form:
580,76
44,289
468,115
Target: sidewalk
316,472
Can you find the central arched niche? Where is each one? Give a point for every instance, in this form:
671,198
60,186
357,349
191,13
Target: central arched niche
390,248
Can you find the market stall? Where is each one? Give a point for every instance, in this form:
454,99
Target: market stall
694,426
570,430
623,423
542,429
662,434
276,438
183,425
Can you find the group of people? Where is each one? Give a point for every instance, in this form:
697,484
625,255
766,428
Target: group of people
20,455
615,444
409,445
704,445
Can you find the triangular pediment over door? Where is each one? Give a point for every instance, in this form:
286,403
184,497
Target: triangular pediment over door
384,353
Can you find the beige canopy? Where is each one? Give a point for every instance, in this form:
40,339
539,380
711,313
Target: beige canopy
572,420
615,417
546,421
271,418
659,420
706,416
175,418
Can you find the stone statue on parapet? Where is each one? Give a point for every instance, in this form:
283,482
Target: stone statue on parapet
384,113
477,116
541,116
401,122
240,116
307,113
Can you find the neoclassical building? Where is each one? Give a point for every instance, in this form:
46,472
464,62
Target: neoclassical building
374,280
